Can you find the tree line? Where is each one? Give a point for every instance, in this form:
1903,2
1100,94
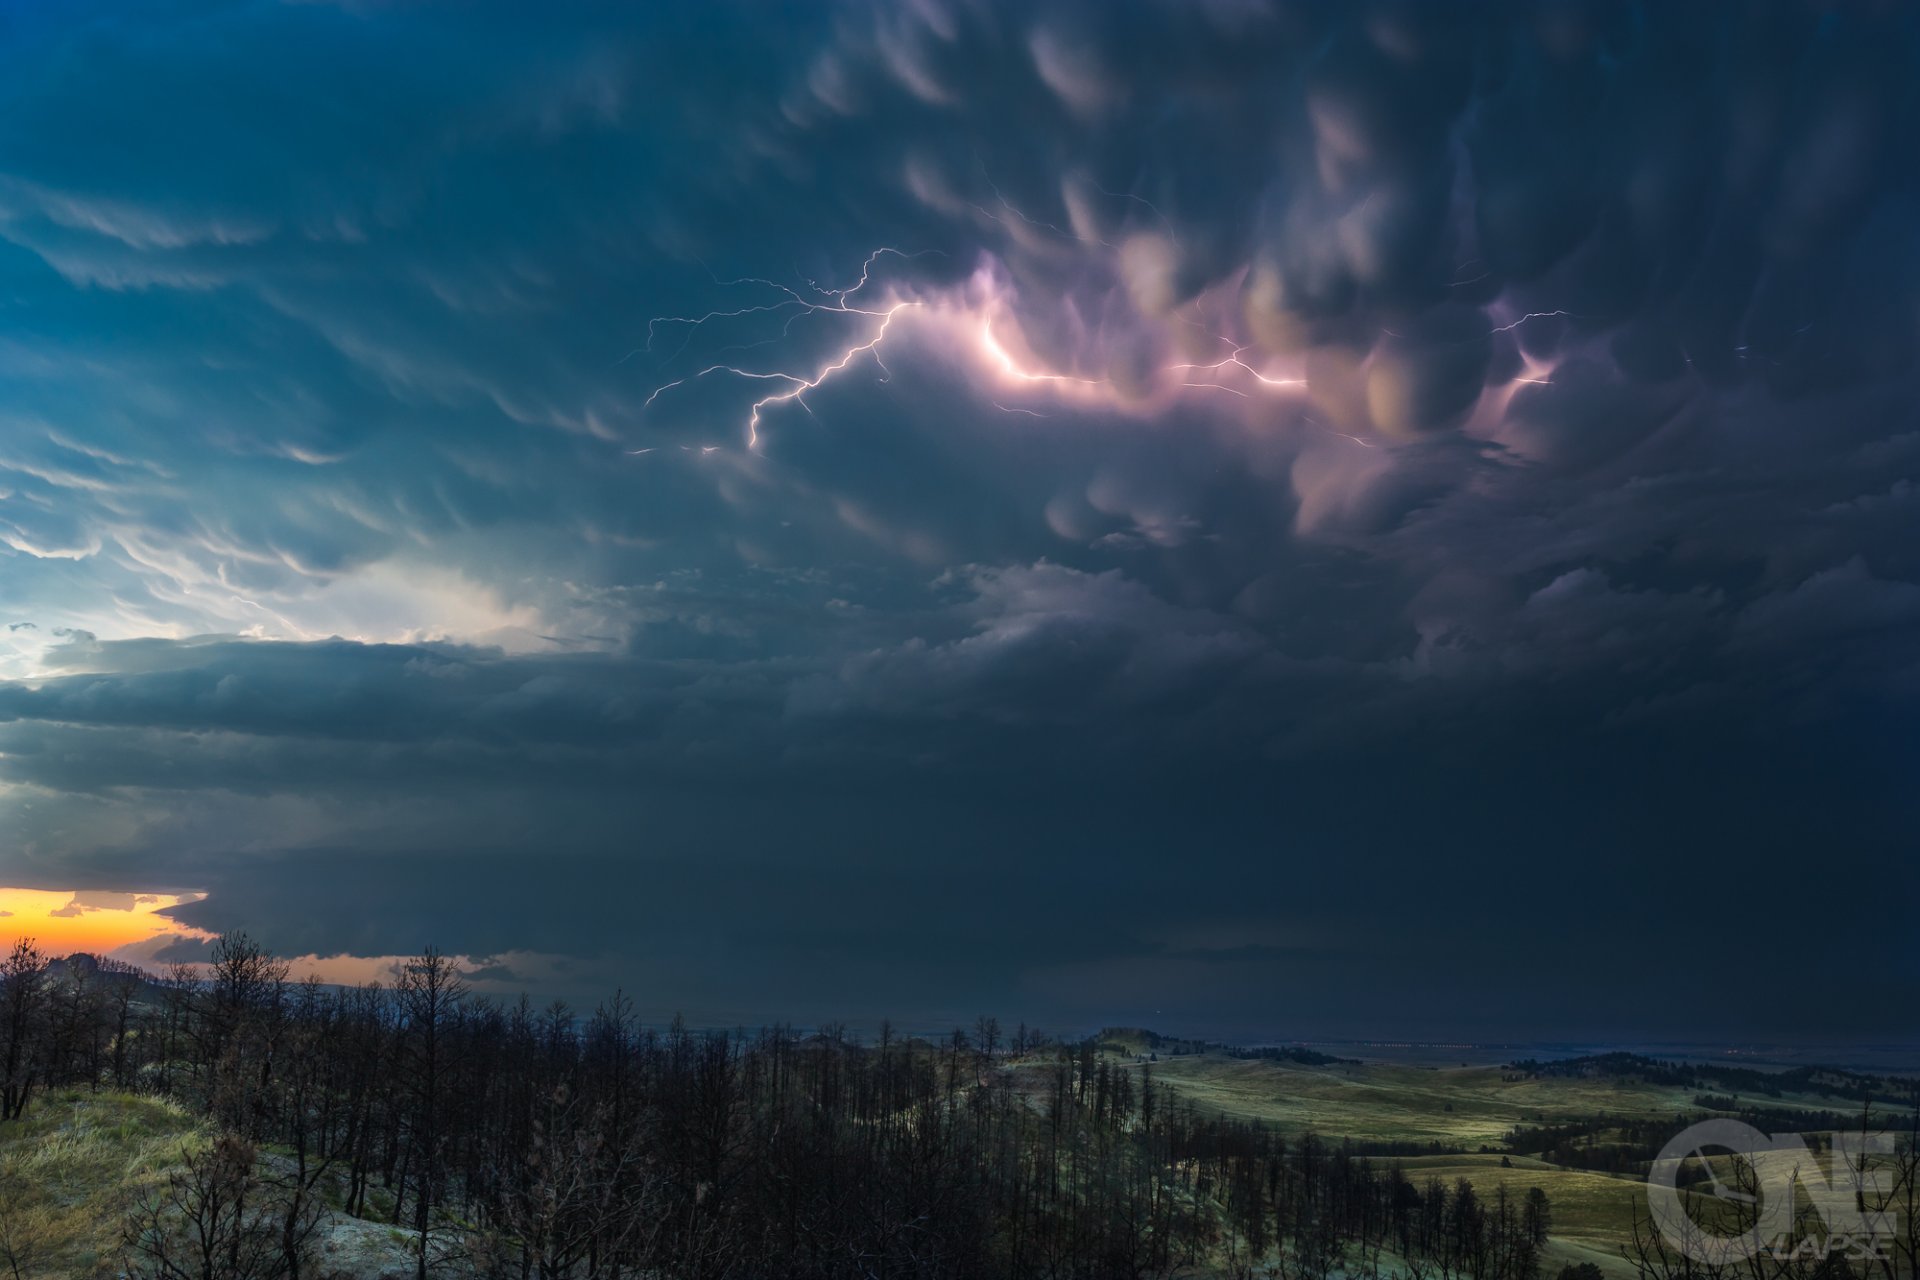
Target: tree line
508,1140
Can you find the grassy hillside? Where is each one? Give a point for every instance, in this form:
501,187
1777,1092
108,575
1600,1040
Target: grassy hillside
72,1165
1463,1107
1383,1102
1472,1107
1591,1211
67,1170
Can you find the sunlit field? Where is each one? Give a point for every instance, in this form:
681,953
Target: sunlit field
1458,1106
1465,1108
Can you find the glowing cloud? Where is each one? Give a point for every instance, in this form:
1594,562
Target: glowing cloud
980,324
95,921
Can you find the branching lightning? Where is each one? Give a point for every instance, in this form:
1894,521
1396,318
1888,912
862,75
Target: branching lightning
1165,222
791,298
1004,362
802,385
838,301
977,321
1234,361
1015,210
973,314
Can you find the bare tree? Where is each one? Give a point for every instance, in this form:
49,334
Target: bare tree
1538,1216
431,992
986,1034
23,1007
215,1219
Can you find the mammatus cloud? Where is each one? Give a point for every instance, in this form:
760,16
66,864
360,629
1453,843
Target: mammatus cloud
711,464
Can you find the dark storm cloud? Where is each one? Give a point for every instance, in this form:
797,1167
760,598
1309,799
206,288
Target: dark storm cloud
387,559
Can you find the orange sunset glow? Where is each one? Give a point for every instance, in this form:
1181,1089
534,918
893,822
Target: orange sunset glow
99,921
129,927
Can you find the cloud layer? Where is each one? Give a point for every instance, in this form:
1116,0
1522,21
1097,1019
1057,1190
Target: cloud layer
921,506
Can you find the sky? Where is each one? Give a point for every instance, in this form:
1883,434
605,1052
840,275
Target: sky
1262,519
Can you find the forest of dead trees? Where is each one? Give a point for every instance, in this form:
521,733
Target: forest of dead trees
510,1141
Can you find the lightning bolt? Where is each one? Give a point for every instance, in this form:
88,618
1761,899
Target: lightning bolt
1165,222
801,385
797,384
979,323
1007,365
1534,315
790,298
838,301
1233,361
1364,444
1015,210
866,270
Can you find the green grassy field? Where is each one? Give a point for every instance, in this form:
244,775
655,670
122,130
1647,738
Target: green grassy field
1461,1107
1455,1106
67,1170
1592,1212
1384,1102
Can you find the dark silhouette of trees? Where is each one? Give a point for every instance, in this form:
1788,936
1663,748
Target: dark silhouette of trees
24,1032
504,1140
1538,1216
218,1219
431,994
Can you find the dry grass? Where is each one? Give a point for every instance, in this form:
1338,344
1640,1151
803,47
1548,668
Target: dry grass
1455,1106
1592,1209
1466,1107
1383,1102
67,1171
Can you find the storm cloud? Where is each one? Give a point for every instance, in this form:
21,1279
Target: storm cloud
1144,511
